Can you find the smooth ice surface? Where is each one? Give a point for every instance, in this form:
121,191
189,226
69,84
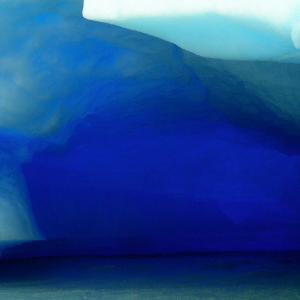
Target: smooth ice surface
231,29
15,221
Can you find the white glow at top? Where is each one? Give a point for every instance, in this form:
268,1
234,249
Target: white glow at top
275,11
254,29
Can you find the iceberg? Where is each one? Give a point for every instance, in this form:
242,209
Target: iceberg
116,142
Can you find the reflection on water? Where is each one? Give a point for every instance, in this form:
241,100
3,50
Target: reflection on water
207,276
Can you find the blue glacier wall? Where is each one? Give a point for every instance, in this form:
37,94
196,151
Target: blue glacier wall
127,145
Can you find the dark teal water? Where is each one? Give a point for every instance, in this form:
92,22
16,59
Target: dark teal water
210,276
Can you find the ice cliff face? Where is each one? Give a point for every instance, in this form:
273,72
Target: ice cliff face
116,137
